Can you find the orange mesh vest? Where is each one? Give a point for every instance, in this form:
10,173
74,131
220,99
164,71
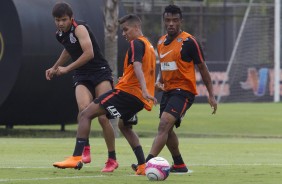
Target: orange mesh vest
176,73
129,82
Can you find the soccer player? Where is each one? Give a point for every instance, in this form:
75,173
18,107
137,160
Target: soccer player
92,77
134,91
137,81
179,53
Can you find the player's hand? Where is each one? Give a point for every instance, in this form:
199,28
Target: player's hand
212,103
49,74
148,97
159,86
62,70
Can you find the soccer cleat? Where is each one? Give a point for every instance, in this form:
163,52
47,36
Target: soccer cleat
181,168
141,169
110,166
71,162
134,167
86,155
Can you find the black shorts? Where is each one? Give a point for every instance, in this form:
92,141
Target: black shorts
91,80
120,104
176,102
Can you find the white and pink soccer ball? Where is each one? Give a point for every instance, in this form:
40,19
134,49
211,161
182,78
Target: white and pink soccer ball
157,169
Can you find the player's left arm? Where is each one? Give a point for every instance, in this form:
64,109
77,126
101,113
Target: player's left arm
203,69
193,51
87,48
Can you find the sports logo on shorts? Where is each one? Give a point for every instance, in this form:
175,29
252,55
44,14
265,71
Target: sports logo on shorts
72,38
113,111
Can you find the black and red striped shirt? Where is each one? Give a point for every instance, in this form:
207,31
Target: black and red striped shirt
136,51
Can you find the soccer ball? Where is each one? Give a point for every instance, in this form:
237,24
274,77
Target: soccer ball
157,169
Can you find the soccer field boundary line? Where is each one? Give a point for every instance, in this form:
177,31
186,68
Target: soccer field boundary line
208,165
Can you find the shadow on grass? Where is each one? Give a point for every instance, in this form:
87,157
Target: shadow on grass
42,133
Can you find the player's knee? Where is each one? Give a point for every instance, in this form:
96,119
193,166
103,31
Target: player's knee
164,126
82,116
124,128
82,107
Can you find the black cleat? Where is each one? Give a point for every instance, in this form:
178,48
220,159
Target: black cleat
79,166
134,167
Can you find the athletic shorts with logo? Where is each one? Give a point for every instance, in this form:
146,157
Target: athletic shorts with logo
120,104
91,80
176,102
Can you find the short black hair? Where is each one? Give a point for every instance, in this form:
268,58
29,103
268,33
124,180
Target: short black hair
131,18
173,9
61,9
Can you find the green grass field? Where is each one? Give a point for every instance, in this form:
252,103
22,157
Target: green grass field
242,143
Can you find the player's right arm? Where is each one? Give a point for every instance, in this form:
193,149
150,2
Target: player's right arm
137,50
140,76
64,57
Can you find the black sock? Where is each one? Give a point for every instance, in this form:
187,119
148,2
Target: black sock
138,151
178,160
87,142
149,157
79,146
112,154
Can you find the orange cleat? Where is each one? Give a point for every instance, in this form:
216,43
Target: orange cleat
86,155
140,169
110,166
71,162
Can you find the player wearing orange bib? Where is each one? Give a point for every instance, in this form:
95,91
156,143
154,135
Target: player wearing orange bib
179,53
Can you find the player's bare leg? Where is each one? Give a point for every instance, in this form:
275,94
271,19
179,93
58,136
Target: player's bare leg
173,146
108,131
166,123
83,98
133,140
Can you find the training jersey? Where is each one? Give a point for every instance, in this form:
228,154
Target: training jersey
129,82
177,62
72,46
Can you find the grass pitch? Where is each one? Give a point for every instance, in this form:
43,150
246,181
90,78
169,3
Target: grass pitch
242,143
210,160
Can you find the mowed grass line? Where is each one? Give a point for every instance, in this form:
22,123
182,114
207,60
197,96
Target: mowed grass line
231,120
211,160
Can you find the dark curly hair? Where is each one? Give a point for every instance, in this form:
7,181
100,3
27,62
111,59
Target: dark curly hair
173,9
